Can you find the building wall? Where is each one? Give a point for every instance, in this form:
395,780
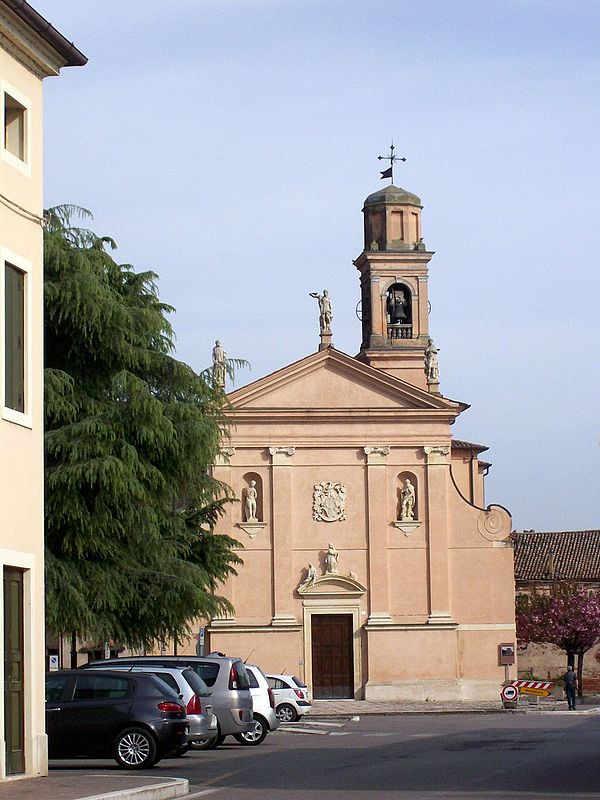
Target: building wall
546,661
429,604
21,443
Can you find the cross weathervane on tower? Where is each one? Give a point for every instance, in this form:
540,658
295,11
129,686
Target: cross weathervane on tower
389,172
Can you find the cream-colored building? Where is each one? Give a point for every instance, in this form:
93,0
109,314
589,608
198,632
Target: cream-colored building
30,50
372,567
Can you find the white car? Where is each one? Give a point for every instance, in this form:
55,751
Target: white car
291,697
263,701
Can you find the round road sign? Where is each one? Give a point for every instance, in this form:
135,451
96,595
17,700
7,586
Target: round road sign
509,693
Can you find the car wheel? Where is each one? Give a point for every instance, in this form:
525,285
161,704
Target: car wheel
211,744
256,735
135,748
286,713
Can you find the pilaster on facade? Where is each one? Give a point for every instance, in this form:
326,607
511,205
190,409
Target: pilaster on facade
377,525
282,511
437,471
222,472
376,454
281,456
223,459
437,454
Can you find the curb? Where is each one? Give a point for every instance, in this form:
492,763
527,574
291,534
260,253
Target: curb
398,713
176,787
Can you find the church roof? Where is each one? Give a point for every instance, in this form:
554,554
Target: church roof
330,381
557,555
393,195
460,444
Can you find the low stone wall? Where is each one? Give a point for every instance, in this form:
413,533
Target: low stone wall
548,662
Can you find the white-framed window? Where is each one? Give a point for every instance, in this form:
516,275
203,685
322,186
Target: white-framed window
15,338
15,146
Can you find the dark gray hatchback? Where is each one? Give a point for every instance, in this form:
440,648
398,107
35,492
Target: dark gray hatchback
132,717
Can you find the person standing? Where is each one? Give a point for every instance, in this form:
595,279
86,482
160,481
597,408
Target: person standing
570,679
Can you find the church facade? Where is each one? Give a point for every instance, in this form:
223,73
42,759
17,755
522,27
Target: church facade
372,567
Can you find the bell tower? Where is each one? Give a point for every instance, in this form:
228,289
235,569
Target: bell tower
393,279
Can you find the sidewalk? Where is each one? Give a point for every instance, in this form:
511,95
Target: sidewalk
71,784
345,708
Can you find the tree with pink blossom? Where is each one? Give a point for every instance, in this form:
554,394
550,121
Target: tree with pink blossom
566,615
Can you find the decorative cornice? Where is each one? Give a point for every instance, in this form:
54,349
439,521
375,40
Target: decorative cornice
331,585
26,47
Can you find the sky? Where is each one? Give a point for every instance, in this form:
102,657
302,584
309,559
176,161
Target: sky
228,145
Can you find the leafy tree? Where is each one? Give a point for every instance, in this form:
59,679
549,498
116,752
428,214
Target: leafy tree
131,433
568,616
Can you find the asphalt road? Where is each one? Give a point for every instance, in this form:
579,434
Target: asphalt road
434,756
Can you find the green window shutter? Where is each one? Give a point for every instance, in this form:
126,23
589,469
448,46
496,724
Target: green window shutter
14,338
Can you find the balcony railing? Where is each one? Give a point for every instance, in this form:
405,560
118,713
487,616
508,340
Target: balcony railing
398,331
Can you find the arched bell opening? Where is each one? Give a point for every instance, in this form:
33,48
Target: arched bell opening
398,307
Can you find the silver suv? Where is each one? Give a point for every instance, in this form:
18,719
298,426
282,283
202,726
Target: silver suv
192,691
227,680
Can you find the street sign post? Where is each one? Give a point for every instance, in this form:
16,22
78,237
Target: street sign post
200,645
509,693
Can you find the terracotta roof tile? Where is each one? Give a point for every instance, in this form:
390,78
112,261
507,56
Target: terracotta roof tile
558,555
459,444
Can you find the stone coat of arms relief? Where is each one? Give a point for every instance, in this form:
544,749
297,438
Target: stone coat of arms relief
329,502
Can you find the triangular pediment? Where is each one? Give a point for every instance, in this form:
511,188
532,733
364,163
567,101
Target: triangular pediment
330,379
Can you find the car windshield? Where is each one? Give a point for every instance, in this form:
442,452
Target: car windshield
298,682
55,687
195,681
207,671
241,675
168,679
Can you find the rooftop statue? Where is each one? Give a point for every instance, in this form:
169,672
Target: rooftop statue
325,312
219,356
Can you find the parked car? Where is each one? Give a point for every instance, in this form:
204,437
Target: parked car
264,708
227,679
291,697
133,717
191,690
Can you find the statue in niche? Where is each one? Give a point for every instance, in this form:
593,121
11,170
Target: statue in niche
311,577
218,356
325,312
396,307
432,369
331,561
250,505
407,501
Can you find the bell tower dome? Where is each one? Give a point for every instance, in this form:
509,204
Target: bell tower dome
393,277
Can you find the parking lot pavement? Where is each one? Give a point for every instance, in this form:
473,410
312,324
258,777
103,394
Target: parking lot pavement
111,784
